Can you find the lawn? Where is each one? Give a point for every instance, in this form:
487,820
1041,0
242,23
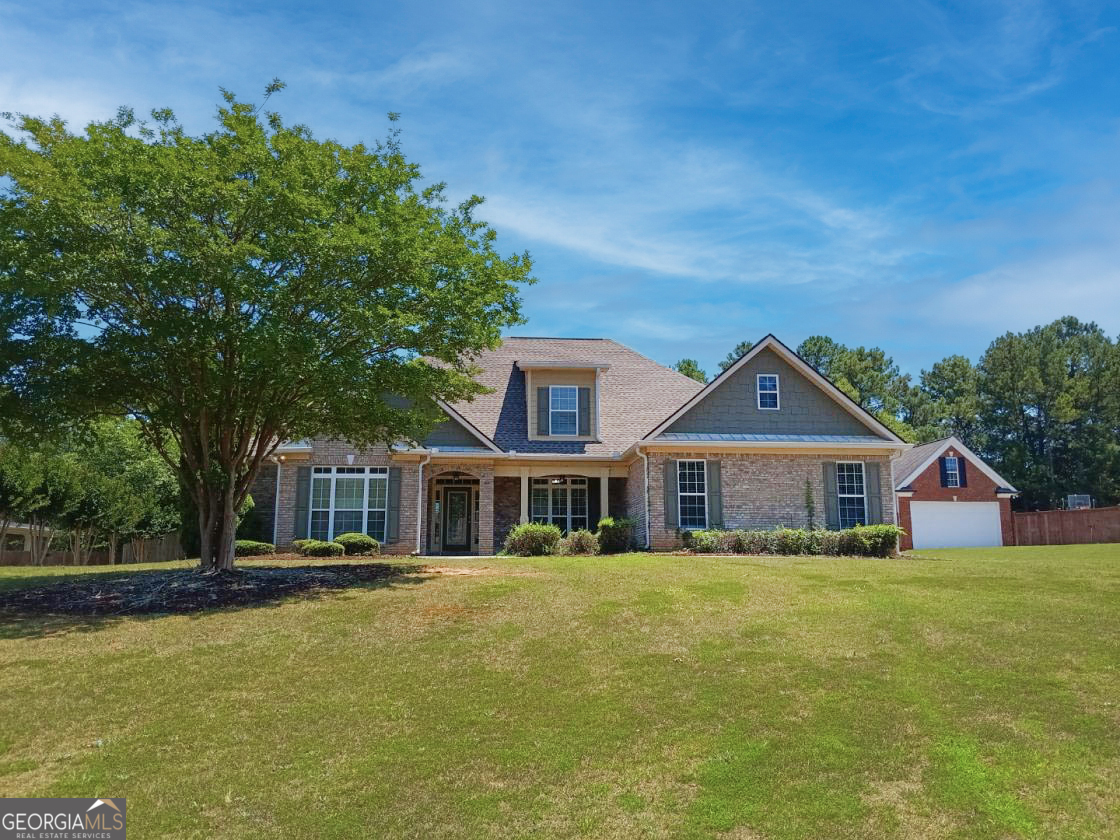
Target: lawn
966,693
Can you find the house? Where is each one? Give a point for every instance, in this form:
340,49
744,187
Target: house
575,429
948,497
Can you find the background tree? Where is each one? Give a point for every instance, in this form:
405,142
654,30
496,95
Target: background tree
952,387
235,289
691,369
741,349
821,352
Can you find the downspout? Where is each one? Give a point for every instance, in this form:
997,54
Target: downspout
420,502
276,499
645,494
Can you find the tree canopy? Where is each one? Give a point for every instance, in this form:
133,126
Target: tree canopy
691,369
236,289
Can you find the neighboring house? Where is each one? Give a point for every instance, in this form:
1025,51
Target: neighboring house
576,429
948,497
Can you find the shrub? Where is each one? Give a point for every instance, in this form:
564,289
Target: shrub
580,542
862,540
358,544
318,548
532,539
298,544
252,548
615,535
878,540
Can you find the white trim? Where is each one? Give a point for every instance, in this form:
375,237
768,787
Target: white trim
973,458
839,495
561,364
758,391
680,523
953,480
565,483
795,361
421,498
366,474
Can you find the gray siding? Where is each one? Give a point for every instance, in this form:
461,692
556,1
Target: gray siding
733,406
452,433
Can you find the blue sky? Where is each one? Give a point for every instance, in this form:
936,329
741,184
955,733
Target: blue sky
919,176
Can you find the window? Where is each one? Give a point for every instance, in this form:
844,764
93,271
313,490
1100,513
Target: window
952,472
767,391
563,415
345,499
850,490
561,501
692,497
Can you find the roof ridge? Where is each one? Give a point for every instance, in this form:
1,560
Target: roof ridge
554,338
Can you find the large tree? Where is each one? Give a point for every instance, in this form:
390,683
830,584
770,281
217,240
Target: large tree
691,369
236,289
741,349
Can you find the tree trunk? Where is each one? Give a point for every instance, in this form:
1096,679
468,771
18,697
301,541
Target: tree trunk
5,524
113,549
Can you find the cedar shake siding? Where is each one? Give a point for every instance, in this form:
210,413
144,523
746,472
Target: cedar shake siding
732,407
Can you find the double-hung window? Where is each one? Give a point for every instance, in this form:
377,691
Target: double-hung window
560,501
952,472
346,499
767,391
692,496
851,495
563,413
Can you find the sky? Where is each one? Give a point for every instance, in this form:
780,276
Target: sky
922,177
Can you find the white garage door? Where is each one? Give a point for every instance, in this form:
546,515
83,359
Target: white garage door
953,524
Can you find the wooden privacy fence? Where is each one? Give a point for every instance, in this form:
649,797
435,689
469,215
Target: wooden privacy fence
158,550
1067,527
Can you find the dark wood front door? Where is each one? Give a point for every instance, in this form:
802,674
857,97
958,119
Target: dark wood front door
456,520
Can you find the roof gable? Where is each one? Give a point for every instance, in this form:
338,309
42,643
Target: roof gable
811,403
457,433
919,459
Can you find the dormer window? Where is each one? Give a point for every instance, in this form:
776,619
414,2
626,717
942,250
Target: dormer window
563,415
768,392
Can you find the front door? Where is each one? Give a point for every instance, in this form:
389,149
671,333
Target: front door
456,520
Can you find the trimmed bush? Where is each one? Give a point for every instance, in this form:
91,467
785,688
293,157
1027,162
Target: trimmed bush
318,548
533,539
252,548
615,535
579,542
358,544
298,544
861,541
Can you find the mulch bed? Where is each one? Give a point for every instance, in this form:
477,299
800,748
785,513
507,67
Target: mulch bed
188,591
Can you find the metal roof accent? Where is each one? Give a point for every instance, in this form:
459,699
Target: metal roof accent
766,438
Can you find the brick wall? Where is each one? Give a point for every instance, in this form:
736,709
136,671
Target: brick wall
636,500
927,488
333,453
507,507
759,491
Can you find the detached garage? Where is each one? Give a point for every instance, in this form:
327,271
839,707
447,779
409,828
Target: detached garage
948,498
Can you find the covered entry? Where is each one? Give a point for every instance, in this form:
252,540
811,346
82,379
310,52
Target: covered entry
453,520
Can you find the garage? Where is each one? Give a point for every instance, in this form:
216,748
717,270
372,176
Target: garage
955,524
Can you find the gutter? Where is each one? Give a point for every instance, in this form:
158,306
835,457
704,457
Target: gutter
279,461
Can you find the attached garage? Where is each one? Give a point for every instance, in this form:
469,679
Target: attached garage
955,524
948,497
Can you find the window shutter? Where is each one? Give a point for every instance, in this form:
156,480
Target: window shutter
393,505
962,472
303,501
542,411
715,495
944,472
585,411
671,518
831,498
594,511
874,492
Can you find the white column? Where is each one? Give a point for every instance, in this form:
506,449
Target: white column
604,495
524,494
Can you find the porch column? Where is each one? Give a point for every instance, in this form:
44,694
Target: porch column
604,496
524,495
486,512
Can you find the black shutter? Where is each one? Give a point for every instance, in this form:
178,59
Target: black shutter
944,472
874,494
672,520
585,411
962,472
831,497
393,514
542,411
715,495
303,501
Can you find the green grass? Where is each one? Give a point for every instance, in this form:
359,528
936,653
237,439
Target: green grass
966,693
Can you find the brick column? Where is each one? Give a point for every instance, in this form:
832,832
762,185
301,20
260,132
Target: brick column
486,512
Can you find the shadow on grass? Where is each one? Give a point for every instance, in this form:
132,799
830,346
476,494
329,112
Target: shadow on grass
51,604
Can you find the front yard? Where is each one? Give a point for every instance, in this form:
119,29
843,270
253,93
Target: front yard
967,693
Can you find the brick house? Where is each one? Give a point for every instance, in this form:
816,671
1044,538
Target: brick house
948,497
575,429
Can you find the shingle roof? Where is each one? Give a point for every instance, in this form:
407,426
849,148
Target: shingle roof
911,459
636,394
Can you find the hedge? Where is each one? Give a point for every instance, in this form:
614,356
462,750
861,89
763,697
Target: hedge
252,548
318,548
579,542
358,544
615,535
862,540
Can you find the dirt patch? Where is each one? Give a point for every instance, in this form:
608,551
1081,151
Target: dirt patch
188,591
